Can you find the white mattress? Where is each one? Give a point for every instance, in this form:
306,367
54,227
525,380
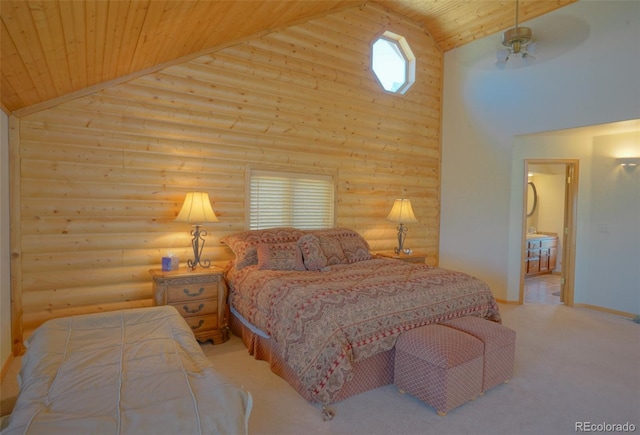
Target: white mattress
137,371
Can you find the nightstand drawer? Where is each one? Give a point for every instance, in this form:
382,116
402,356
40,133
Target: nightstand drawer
196,308
202,323
189,292
200,297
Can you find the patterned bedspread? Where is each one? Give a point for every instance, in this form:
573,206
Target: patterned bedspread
325,321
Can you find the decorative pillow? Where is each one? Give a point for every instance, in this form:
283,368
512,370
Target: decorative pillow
353,246
332,250
279,256
244,244
312,255
355,249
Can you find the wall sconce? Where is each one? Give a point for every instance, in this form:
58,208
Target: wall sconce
197,210
628,162
401,213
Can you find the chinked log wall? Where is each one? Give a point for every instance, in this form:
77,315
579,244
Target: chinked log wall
98,180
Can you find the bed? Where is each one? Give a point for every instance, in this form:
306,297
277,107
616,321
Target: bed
326,313
131,372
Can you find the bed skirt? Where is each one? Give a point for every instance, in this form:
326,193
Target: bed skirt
373,372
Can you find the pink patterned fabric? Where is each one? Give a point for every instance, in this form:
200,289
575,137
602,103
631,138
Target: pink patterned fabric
368,374
352,246
440,366
244,244
312,255
280,256
355,249
332,250
324,322
499,347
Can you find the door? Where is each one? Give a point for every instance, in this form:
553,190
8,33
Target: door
565,191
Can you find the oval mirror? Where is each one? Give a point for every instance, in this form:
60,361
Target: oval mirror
532,198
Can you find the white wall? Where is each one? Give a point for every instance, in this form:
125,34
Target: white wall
614,225
5,281
586,73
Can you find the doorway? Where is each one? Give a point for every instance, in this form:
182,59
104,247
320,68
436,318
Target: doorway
548,231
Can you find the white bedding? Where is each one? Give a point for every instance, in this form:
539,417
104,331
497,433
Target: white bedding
137,371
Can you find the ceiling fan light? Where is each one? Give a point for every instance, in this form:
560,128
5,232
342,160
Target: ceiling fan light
502,55
528,59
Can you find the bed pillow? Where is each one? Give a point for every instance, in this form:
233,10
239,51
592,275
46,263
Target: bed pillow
352,246
279,256
312,255
244,244
332,250
355,249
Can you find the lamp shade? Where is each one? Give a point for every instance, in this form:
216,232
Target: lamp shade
196,209
401,212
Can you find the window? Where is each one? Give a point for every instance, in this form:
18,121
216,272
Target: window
393,63
283,199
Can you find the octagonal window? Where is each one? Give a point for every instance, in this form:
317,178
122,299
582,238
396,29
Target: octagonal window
393,63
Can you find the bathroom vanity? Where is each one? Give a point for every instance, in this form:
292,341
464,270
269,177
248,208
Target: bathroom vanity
540,253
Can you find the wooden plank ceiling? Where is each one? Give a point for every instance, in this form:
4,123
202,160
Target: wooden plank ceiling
52,49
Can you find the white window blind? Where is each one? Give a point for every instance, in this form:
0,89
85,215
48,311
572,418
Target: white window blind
281,199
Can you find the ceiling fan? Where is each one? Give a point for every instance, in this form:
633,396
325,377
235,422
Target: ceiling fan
518,43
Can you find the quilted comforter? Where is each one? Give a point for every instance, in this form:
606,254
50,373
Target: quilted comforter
325,321
137,371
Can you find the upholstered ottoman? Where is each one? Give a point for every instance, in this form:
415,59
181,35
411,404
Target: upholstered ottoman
499,347
438,365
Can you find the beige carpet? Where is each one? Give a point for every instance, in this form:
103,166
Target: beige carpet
572,365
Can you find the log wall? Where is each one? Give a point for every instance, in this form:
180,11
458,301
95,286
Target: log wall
97,181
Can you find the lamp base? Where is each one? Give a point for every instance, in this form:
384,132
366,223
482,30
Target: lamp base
402,234
198,245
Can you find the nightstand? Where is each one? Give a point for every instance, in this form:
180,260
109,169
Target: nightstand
200,296
414,257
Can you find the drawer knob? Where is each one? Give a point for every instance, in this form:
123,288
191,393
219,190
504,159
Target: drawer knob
187,310
192,295
198,325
